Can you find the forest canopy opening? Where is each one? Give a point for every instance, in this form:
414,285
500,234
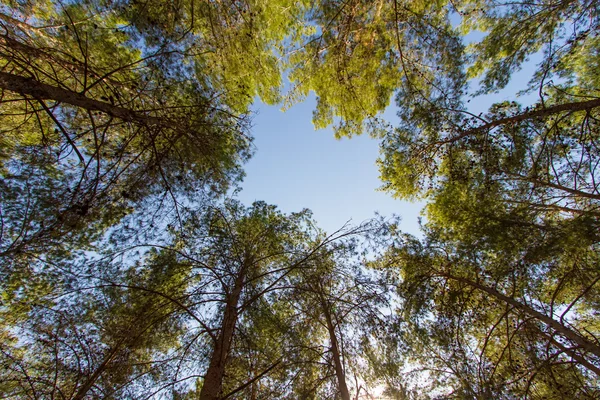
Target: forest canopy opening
128,268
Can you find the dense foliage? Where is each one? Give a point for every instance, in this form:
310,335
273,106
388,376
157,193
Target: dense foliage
128,271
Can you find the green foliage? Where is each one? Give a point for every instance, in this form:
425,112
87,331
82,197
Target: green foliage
476,318
364,52
236,45
93,124
517,31
546,149
124,273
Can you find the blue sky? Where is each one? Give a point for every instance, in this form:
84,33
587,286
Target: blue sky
296,167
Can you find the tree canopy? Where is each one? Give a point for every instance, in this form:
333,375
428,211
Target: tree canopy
128,269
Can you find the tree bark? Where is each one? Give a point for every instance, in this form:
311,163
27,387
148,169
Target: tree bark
335,350
252,383
41,91
91,381
542,112
557,326
213,380
573,354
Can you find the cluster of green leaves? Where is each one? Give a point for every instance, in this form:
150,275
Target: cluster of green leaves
94,124
149,320
364,52
124,273
500,297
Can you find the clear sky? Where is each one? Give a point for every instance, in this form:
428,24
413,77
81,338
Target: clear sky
296,167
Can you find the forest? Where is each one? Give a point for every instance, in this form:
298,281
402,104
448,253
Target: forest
129,269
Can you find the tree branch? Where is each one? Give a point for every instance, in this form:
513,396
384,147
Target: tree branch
38,90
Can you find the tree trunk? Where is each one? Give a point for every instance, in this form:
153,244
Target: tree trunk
542,112
549,321
536,113
335,350
557,186
91,381
573,354
38,90
213,380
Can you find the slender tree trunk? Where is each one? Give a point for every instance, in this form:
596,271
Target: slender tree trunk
536,113
213,380
253,392
85,388
91,381
573,354
567,189
335,350
38,90
549,321
542,112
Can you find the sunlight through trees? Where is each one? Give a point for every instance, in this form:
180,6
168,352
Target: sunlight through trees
128,268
